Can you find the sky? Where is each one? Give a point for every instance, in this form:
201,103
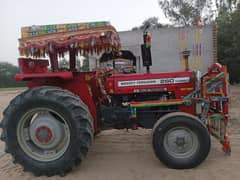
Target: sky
123,15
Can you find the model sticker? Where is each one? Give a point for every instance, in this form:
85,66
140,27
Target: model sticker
153,81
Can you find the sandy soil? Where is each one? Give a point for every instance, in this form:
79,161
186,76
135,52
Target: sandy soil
117,154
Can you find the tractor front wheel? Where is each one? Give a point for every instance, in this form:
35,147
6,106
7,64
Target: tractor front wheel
47,130
180,140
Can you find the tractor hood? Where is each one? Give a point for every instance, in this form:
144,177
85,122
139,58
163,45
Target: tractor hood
148,82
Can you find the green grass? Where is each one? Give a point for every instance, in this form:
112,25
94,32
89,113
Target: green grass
13,88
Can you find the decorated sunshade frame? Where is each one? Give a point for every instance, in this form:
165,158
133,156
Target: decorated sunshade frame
85,38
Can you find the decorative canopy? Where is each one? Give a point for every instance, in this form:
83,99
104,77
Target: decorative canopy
86,38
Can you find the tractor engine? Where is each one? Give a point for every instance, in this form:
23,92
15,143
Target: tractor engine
144,88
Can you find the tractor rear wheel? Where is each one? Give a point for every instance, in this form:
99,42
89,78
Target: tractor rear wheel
47,130
180,140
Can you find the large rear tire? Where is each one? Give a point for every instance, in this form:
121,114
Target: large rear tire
47,130
180,140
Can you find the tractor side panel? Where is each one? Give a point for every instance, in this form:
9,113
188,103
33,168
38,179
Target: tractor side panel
181,84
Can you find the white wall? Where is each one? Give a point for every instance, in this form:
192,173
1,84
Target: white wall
165,47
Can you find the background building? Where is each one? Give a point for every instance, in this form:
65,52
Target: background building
167,44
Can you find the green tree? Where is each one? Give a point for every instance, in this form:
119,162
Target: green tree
229,42
152,21
85,65
184,12
226,5
7,74
78,64
64,63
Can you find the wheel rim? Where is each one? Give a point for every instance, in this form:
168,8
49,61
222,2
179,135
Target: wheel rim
180,142
43,134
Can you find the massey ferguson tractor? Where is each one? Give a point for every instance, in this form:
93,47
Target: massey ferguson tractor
49,128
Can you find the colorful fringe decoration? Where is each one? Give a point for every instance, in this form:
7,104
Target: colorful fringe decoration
86,38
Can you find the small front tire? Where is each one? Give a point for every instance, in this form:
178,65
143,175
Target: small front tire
180,140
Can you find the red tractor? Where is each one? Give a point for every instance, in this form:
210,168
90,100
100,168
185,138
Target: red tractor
49,128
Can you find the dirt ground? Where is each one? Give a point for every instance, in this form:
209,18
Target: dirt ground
118,154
